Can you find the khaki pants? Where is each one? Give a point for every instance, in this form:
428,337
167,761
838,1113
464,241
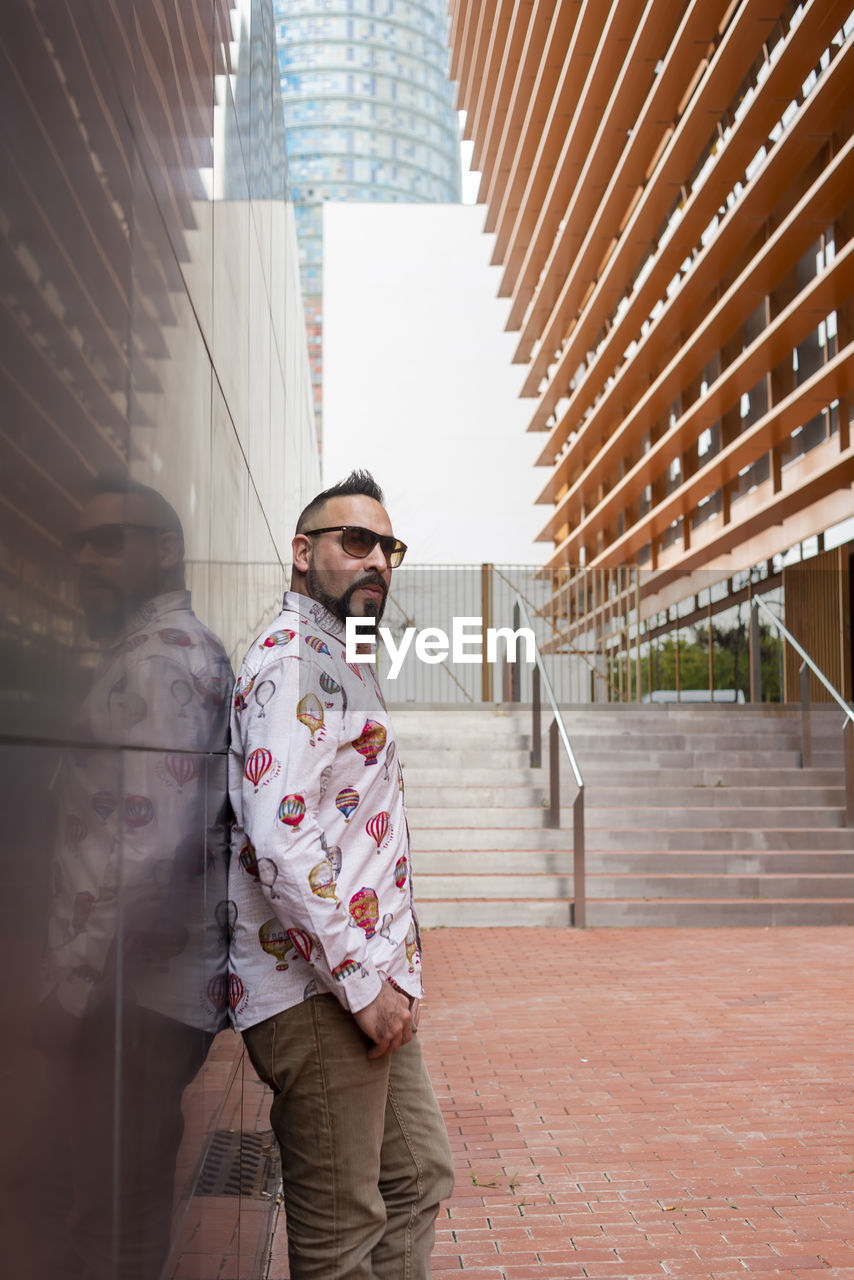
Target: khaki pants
365,1153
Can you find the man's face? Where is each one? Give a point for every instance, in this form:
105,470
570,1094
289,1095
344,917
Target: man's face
121,564
344,584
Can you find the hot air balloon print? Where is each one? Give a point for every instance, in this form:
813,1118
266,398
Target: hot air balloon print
212,691
124,706
389,757
328,685
379,828
345,969
237,996
247,859
364,909
75,830
217,992
174,636
370,741
325,775
310,713
258,765
292,810
139,811
346,801
179,770
302,941
411,945
322,880
284,636
274,939
134,642
315,643
263,694
104,804
268,873
401,871
225,914
241,692
335,858
183,695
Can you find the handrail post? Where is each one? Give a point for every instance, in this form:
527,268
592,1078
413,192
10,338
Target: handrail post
537,724
806,728
579,906
755,656
516,667
848,748
554,776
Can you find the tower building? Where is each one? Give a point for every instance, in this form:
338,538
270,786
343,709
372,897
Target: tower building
370,115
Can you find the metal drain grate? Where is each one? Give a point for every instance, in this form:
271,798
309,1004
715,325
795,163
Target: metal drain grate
240,1163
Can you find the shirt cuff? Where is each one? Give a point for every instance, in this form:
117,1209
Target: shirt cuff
357,984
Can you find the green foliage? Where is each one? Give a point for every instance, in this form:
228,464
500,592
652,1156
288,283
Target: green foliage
730,661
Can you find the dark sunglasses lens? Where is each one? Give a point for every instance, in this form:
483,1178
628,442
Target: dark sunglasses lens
105,540
358,542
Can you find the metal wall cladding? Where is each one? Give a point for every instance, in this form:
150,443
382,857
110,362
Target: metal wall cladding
157,443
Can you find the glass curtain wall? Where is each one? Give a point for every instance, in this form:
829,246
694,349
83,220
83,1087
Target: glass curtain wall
157,442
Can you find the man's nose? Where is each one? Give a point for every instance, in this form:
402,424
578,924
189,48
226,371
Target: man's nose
377,560
84,555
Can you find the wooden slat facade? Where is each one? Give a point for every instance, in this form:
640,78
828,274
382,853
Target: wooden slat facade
670,189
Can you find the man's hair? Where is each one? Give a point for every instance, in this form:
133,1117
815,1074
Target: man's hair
357,482
162,512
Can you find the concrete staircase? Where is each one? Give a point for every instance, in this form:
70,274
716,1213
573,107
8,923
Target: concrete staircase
694,815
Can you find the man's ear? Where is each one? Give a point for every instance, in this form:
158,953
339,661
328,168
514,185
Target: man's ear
171,549
301,548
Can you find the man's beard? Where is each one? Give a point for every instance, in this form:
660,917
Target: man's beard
339,606
105,611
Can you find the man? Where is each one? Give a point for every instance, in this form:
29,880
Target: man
136,952
325,954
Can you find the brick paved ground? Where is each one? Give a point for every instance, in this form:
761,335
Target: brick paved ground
643,1102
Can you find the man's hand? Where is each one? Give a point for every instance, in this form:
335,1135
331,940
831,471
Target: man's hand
386,1021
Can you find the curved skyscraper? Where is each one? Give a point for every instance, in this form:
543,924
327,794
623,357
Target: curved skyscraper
370,116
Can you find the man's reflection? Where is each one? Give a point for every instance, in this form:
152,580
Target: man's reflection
138,922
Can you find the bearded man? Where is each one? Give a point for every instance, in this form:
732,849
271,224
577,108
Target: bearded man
325,975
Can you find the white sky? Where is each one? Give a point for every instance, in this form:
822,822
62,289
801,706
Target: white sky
419,385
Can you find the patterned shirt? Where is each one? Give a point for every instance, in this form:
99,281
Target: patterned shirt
319,876
139,876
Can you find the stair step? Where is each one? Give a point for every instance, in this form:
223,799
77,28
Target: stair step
602,775
694,815
720,912
608,839
641,797
731,885
523,862
486,913
422,818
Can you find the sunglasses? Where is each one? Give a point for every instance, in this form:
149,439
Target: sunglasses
105,539
359,542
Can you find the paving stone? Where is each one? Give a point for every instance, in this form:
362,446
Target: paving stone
650,1102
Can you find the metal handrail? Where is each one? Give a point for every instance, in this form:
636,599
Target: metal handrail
806,734
557,734
834,693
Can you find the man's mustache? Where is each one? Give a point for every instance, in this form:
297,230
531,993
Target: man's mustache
88,579
372,578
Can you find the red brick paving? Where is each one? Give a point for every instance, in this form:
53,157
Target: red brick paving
639,1103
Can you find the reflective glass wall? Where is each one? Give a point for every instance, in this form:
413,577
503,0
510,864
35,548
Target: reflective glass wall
157,442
